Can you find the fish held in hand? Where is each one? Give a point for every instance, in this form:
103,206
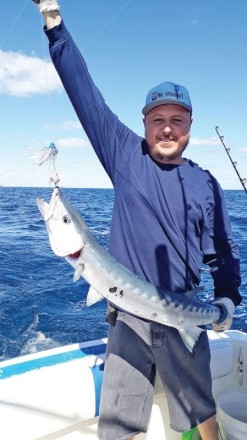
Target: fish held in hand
70,238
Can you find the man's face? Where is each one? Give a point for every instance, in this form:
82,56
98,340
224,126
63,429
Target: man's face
167,132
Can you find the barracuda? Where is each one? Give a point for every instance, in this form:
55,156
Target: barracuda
70,238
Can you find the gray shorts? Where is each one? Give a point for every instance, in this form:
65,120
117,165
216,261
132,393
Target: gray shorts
136,348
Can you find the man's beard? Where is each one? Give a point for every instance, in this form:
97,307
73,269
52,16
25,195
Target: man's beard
165,157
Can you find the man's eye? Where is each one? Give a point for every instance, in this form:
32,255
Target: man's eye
158,120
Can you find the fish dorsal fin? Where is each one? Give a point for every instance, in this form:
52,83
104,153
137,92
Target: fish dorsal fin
93,296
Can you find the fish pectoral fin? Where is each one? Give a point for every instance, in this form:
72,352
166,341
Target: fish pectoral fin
93,296
78,272
190,336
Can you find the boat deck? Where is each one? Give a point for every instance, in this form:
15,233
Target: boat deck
55,394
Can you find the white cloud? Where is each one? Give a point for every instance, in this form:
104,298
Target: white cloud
66,125
72,142
243,149
69,125
204,141
22,75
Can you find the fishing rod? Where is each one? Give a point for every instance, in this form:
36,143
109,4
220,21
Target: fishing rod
234,164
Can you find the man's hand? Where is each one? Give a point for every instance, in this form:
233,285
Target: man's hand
47,5
227,309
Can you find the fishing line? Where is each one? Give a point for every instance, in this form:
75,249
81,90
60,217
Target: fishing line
108,24
44,54
47,154
45,57
13,24
219,432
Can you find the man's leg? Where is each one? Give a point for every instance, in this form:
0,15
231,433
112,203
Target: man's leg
208,429
127,389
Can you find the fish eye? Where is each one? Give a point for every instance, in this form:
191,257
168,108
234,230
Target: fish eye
66,219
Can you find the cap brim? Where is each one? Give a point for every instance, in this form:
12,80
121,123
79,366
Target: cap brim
156,103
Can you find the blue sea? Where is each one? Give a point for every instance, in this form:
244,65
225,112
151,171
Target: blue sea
40,305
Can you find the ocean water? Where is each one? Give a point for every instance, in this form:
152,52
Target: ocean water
40,305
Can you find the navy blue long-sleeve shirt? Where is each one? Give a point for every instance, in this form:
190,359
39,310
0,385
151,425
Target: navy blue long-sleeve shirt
166,218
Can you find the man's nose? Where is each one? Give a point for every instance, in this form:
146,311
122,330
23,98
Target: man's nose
167,129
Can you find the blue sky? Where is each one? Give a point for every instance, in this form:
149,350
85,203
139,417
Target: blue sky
129,46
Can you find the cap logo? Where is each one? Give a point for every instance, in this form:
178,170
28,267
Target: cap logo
156,95
176,95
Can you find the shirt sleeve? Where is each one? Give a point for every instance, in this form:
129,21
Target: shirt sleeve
109,137
220,251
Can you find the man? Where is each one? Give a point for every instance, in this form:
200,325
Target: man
167,212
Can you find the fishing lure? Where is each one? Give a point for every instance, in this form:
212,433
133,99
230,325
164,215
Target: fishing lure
46,154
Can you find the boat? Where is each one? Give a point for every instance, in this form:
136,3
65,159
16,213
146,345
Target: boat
55,394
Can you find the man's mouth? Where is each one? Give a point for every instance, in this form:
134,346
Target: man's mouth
167,140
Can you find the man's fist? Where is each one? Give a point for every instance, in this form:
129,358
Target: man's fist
47,5
227,308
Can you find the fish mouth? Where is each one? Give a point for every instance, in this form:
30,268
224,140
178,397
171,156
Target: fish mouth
75,255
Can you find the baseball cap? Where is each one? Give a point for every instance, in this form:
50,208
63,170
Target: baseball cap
167,93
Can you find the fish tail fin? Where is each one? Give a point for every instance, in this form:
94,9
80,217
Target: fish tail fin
93,296
190,336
